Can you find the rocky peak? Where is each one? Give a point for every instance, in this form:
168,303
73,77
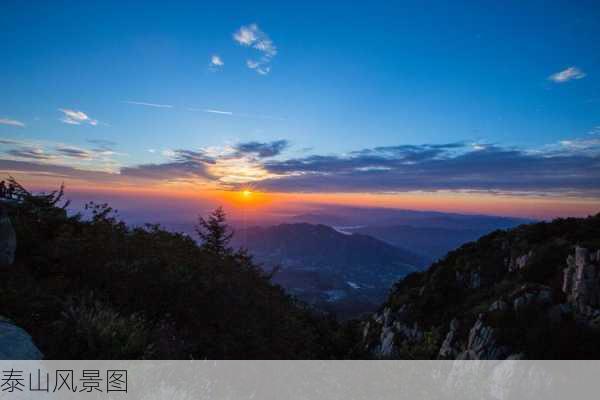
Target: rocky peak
581,280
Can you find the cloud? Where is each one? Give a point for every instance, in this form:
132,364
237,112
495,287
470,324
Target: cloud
185,164
262,150
231,113
440,167
103,144
33,153
567,75
74,117
143,103
210,111
252,36
216,62
9,141
11,122
75,152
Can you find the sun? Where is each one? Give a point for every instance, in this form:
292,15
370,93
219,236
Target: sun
246,194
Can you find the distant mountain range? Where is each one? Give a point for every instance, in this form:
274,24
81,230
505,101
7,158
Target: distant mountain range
428,233
332,270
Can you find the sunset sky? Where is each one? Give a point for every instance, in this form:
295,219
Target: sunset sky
478,107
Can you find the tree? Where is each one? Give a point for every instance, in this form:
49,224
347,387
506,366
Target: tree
215,233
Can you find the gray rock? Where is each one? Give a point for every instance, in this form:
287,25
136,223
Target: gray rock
16,344
449,348
482,343
8,239
531,294
387,348
499,305
519,262
581,280
468,279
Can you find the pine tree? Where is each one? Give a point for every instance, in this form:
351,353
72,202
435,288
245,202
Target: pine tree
215,233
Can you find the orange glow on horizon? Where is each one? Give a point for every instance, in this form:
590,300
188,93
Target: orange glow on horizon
256,203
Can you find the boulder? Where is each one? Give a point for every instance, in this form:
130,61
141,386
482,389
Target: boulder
16,344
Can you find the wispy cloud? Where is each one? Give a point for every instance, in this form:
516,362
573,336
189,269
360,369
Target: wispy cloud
567,75
211,111
216,62
143,103
11,122
252,36
103,144
231,113
74,117
32,153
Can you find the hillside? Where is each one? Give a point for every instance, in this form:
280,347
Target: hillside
344,274
529,292
94,288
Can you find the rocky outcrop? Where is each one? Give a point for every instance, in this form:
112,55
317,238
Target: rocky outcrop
494,298
394,329
8,239
482,344
468,279
519,262
16,344
581,281
451,345
531,294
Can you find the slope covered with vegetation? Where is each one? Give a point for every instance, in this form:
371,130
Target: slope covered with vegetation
93,287
529,292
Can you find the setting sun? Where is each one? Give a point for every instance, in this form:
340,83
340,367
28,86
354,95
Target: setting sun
246,194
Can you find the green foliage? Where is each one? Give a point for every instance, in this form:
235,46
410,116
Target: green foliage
214,233
95,288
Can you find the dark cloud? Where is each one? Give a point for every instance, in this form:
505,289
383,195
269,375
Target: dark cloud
167,171
186,164
30,152
57,171
262,149
440,167
9,141
200,157
74,152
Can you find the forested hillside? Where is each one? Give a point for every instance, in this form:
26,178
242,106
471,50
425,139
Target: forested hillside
90,287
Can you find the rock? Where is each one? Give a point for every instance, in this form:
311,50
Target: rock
519,262
482,343
16,344
499,305
468,279
449,347
532,294
581,280
392,330
8,239
387,348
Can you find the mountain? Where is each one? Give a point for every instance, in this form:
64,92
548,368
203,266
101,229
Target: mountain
529,292
338,272
428,233
348,216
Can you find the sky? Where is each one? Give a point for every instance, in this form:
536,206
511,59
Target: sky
477,107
